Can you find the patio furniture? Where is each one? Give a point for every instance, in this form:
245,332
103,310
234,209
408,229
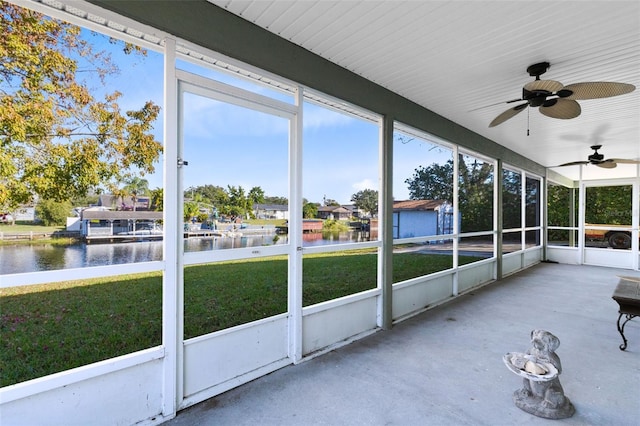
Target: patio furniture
627,294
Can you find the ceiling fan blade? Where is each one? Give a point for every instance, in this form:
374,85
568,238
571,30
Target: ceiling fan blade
550,86
607,164
508,114
597,89
624,161
497,103
573,163
561,108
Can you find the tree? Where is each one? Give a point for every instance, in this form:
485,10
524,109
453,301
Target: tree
475,195
136,186
330,202
367,201
511,199
52,212
533,200
475,190
237,199
191,210
86,200
611,205
276,200
255,196
57,141
157,199
434,182
561,203
310,210
215,195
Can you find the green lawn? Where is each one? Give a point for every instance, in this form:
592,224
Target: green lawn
38,230
53,327
21,227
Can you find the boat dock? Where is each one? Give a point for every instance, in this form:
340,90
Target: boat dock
308,225
191,233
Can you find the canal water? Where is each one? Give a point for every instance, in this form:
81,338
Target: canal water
46,257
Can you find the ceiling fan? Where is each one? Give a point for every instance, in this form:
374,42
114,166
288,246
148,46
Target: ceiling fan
598,159
556,100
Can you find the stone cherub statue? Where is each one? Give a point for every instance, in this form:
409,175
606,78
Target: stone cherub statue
542,393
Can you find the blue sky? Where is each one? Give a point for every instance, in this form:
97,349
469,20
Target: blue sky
230,145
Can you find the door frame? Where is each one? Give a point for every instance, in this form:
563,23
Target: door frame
286,326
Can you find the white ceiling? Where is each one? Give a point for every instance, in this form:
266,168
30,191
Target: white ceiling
457,57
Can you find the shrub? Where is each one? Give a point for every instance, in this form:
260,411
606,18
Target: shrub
53,213
334,226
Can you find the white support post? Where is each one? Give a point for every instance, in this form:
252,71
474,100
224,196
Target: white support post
544,199
523,214
635,221
498,215
171,281
581,216
295,231
456,218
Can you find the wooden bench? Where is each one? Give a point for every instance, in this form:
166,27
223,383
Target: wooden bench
627,294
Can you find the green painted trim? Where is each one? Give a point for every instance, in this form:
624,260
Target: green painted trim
386,222
210,26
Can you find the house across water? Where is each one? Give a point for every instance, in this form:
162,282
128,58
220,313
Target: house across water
98,224
414,218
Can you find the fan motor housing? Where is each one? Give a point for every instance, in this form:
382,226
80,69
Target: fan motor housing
536,70
535,98
596,156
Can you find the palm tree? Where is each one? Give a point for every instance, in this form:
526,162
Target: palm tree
136,186
157,198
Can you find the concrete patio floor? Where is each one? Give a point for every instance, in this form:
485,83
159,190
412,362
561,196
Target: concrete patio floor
444,366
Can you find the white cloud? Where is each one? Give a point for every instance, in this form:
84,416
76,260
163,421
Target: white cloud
317,117
204,118
365,184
